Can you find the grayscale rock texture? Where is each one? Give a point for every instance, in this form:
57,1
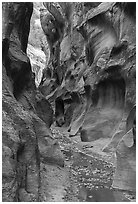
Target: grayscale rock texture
76,71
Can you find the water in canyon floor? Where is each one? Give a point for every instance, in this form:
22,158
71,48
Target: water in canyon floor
94,178
91,174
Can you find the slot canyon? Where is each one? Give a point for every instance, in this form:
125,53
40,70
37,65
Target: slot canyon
68,101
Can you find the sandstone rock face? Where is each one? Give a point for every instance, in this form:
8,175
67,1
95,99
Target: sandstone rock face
26,136
94,50
79,70
91,67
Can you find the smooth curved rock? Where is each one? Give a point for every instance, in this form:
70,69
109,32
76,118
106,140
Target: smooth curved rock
89,80
106,112
125,173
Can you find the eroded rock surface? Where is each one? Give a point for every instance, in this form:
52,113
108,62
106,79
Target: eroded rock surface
27,139
94,74
82,80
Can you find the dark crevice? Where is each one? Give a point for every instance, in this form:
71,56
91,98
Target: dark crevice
118,49
23,79
20,152
110,92
5,48
59,111
90,5
129,9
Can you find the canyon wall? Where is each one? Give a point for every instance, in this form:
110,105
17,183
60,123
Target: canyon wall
91,69
27,139
87,85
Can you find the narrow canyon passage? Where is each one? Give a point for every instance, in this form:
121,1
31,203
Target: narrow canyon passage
69,102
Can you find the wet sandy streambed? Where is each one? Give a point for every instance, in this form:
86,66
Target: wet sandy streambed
93,176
